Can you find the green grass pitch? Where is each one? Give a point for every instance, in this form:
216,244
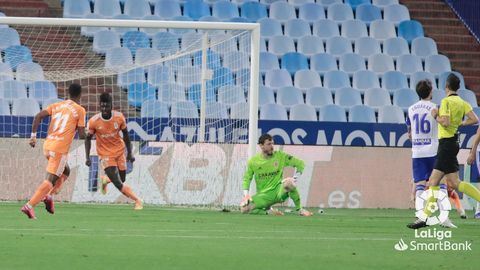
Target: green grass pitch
116,237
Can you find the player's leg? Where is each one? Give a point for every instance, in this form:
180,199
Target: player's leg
112,173
55,167
290,190
48,200
261,204
452,194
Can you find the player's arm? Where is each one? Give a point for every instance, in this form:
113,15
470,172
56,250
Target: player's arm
442,116
297,163
473,151
128,145
88,142
81,125
409,128
36,123
472,118
247,178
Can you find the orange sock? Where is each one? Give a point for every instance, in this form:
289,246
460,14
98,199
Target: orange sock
58,185
127,191
42,190
456,199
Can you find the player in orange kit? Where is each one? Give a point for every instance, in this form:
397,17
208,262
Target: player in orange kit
67,117
106,126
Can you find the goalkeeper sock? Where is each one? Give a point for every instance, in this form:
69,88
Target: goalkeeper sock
470,190
42,190
430,200
295,196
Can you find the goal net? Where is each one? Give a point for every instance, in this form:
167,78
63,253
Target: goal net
187,89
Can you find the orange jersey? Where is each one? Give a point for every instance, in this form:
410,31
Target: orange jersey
66,116
107,132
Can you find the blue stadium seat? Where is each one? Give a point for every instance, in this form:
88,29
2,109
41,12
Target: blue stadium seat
265,96
270,27
184,109
4,107
268,61
154,109
289,96
213,59
136,75
442,78
122,30
380,63
393,80
424,46
189,76
368,13
326,3
351,63
336,79
421,75
339,12
231,94
273,112
297,28
107,8
151,31
29,72
195,9
118,58
325,29
139,92
239,19
367,47
354,29
318,97
17,54
410,30
409,64
89,31
338,46
9,38
396,13
294,61
242,78
278,78
355,3
437,96
303,112
76,8
214,110
105,40
194,94
311,12
395,47
166,43
306,78
253,11
391,115
282,11
240,111
437,64
12,90
134,40
382,30
159,75
171,92
404,98
137,8
25,107
347,97
280,45
181,31
361,114
365,79
221,76
6,72
323,62
476,110
469,96
147,56
310,45
225,10
298,3
42,91
376,98
167,9
332,113
383,3
191,40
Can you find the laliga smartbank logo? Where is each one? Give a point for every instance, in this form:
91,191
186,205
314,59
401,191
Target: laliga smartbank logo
433,239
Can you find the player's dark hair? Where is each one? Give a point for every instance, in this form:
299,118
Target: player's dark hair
75,90
106,98
264,137
453,82
423,88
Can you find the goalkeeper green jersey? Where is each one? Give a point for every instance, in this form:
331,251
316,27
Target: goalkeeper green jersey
269,171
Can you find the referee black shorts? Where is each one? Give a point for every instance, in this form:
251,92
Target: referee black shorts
447,155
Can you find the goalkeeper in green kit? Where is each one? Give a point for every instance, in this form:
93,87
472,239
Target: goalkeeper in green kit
267,167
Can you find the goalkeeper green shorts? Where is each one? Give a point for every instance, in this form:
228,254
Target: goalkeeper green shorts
263,200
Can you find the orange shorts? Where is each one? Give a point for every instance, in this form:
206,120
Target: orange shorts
118,161
56,162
